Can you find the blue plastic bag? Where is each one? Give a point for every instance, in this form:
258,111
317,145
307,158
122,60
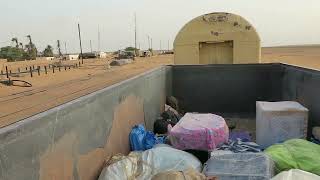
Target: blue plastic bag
141,140
136,138
149,140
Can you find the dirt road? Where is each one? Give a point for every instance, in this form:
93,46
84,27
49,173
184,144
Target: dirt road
51,90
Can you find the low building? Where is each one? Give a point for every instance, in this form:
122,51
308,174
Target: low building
49,58
101,55
217,38
71,57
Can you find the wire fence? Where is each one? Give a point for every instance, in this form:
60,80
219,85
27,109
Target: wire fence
38,70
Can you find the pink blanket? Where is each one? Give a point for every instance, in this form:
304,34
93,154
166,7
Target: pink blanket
199,132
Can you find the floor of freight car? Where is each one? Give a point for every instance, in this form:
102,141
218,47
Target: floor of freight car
242,123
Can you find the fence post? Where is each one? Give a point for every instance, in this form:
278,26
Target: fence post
7,71
65,68
19,70
31,72
38,70
59,69
45,69
1,72
52,69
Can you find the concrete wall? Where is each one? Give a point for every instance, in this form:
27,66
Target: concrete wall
217,27
72,141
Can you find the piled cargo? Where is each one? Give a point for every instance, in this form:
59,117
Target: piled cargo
240,166
280,121
183,144
199,132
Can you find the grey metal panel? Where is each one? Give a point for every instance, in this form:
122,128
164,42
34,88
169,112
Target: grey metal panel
226,88
303,85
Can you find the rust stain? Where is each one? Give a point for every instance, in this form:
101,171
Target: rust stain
91,164
126,115
57,162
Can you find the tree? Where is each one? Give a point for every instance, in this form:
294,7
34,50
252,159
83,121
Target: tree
31,53
21,45
12,53
48,51
32,50
16,41
130,49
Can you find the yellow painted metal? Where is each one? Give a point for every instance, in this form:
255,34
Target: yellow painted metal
217,38
216,53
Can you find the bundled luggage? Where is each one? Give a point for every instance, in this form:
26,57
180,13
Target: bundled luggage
296,154
144,165
199,132
241,166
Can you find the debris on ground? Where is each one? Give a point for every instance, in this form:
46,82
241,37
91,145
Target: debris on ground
120,62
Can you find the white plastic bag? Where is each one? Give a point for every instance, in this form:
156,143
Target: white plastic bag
296,174
140,166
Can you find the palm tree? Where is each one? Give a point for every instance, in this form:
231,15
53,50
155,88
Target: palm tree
29,37
16,41
21,45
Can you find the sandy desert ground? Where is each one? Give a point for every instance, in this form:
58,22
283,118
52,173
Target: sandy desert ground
305,56
50,90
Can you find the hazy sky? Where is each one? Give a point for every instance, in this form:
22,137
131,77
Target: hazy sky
279,22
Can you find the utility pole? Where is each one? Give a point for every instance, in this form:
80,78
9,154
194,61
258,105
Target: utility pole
59,50
90,46
98,38
148,42
151,44
65,47
80,43
135,34
168,46
160,46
